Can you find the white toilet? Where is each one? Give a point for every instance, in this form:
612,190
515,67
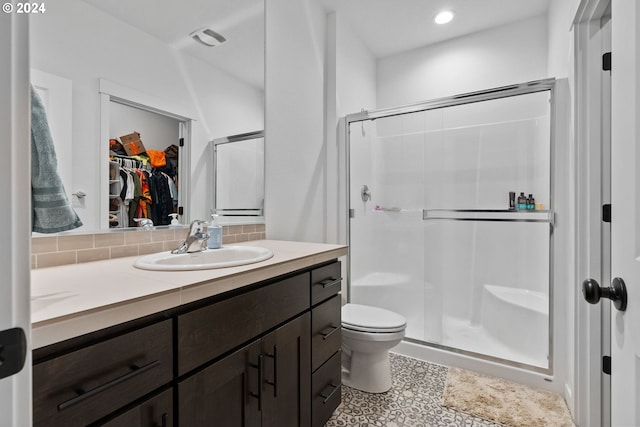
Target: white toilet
368,333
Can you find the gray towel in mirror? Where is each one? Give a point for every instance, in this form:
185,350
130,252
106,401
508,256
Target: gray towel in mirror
52,211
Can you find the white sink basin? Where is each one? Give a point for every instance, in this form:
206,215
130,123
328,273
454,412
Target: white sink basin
226,256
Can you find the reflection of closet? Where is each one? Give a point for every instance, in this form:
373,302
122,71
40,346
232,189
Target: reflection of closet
117,213
156,187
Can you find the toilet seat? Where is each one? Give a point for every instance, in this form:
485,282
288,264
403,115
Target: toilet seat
363,318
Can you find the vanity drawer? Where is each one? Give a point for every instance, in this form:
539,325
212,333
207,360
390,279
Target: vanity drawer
326,336
154,412
325,281
326,392
209,332
85,385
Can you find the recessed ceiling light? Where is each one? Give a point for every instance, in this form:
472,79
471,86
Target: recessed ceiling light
443,17
208,37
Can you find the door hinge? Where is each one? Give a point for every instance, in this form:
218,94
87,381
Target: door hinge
181,142
606,364
352,213
606,213
180,210
606,62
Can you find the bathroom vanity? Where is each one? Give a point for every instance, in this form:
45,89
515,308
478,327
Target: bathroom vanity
257,345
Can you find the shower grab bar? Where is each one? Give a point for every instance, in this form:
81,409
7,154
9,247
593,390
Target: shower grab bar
499,215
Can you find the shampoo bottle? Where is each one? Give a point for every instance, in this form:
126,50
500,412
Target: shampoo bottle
531,202
522,202
215,233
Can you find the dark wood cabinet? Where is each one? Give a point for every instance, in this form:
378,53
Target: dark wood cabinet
266,383
261,356
226,393
326,389
80,387
326,341
286,386
210,331
155,412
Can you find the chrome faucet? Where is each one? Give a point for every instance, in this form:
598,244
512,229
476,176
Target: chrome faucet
196,240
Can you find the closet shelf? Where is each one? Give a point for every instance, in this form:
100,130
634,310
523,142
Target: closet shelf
489,215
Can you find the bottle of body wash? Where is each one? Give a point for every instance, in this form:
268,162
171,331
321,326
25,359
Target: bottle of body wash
215,233
531,202
522,202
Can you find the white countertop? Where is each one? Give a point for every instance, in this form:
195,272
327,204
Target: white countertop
72,300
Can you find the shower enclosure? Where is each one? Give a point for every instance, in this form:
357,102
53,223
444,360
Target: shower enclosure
432,234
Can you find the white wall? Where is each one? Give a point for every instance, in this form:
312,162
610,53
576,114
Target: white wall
78,42
350,87
355,70
560,64
295,151
513,53
157,132
560,20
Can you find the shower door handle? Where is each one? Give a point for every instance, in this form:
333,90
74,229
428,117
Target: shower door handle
617,292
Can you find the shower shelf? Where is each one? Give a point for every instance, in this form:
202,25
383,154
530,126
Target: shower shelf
489,215
394,209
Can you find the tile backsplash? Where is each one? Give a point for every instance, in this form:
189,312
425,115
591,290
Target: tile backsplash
50,251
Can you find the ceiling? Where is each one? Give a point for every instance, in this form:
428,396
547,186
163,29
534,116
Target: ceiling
241,22
387,27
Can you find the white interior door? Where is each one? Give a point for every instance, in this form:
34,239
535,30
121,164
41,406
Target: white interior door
625,202
15,377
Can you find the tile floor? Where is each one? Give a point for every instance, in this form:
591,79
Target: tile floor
413,401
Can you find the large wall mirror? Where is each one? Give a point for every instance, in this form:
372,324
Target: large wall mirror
198,63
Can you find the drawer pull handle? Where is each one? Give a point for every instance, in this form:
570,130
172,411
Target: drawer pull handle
258,395
273,383
165,418
326,397
326,335
330,282
83,395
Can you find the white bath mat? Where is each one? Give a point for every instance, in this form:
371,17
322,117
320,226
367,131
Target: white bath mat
504,402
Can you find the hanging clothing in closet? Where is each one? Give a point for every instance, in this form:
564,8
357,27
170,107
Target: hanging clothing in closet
147,193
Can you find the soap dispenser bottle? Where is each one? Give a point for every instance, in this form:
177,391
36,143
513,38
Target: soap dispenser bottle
215,233
174,221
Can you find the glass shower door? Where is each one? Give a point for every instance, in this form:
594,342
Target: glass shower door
431,233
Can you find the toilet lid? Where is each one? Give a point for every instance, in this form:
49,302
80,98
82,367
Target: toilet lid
371,319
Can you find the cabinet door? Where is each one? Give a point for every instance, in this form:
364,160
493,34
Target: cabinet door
155,412
286,383
224,394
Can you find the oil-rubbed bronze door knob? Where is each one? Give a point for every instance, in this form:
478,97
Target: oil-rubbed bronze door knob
617,292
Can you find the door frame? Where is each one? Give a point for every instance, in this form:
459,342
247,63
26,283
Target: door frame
592,236
15,231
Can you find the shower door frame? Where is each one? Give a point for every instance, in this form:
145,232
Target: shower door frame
462,99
